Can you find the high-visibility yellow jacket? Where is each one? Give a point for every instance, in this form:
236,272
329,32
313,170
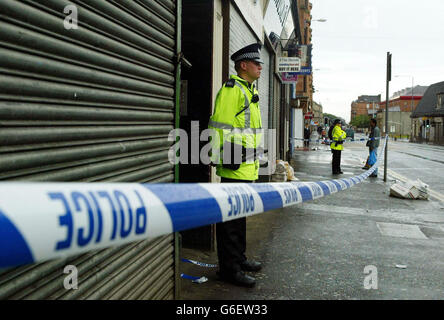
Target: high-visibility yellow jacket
338,135
236,119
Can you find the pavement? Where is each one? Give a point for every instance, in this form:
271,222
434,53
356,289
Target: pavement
358,244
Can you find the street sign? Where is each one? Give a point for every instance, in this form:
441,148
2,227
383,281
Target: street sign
288,64
308,115
289,77
304,71
304,52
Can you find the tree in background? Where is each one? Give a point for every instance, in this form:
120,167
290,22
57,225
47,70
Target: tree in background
361,121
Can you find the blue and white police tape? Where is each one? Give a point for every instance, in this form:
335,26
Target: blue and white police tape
346,140
193,278
200,264
42,221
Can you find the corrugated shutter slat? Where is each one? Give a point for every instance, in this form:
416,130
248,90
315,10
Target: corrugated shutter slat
90,104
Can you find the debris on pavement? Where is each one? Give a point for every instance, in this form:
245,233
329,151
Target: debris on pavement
410,190
280,174
284,172
290,173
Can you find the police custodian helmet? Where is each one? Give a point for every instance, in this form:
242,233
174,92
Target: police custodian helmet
251,52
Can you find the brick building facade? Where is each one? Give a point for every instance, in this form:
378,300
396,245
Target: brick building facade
365,105
304,87
405,103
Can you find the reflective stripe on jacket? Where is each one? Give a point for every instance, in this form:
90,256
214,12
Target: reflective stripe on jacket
237,120
338,135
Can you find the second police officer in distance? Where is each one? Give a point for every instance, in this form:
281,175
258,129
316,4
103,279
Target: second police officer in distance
338,137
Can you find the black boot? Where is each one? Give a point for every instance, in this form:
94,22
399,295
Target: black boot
251,265
238,278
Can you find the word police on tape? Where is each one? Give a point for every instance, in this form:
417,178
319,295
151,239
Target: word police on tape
41,221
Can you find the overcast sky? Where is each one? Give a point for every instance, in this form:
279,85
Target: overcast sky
350,48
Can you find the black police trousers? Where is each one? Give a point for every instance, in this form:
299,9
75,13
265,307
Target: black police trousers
336,163
231,238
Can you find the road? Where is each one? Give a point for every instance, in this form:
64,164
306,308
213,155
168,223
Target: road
412,161
327,248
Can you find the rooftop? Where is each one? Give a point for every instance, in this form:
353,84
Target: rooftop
417,91
368,98
427,107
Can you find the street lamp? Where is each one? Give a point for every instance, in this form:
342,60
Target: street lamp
308,22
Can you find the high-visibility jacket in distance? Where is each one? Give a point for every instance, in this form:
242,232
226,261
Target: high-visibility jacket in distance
236,119
338,135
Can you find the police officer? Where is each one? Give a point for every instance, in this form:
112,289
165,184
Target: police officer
237,121
336,146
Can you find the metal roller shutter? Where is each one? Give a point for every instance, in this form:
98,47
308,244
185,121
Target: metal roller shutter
277,115
126,272
272,115
240,34
264,91
90,104
282,122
